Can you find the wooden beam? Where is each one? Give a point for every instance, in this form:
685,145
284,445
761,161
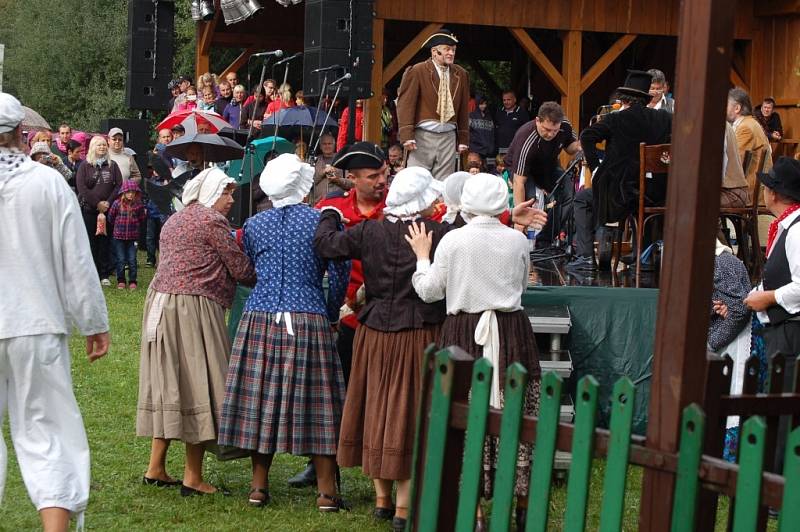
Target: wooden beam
605,60
541,60
374,105
776,8
737,80
204,34
239,62
410,50
571,101
705,46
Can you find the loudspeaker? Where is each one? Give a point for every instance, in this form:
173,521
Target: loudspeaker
151,47
238,213
335,36
136,134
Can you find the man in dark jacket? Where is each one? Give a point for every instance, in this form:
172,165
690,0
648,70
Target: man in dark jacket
481,129
508,120
615,180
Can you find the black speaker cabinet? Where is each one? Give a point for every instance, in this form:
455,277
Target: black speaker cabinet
136,136
335,36
151,48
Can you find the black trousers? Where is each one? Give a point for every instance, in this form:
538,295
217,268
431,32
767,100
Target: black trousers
784,339
100,246
559,216
584,223
344,346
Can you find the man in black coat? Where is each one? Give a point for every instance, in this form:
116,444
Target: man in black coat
615,179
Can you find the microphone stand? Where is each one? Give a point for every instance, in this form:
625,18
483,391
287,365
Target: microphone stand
278,114
330,109
312,146
248,148
555,251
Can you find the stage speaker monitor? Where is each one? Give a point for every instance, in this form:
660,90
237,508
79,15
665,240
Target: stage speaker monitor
359,67
328,24
151,49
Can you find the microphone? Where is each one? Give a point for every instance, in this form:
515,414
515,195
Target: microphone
287,59
337,81
276,53
326,69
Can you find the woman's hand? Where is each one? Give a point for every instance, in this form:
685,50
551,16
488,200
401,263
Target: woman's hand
760,300
525,214
420,240
721,309
102,206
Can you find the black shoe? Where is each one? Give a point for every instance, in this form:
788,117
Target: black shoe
521,517
383,514
306,477
399,524
580,263
186,491
160,483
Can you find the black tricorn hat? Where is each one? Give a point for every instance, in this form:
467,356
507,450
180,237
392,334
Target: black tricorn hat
784,177
443,36
636,84
359,155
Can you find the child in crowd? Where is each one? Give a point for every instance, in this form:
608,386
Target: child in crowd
126,216
501,170
209,99
191,101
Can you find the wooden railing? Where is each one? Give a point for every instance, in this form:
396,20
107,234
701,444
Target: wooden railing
455,418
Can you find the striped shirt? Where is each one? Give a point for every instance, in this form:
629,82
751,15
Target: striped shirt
537,158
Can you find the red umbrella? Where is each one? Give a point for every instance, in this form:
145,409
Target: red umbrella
195,118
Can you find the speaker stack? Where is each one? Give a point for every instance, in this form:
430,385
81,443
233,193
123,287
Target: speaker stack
151,47
335,35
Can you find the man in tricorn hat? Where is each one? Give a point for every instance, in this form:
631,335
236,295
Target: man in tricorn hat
432,108
777,298
365,165
615,182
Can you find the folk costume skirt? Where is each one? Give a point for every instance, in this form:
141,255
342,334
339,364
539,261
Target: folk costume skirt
381,406
517,344
183,363
284,392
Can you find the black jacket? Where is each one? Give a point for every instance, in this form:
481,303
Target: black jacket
481,133
615,182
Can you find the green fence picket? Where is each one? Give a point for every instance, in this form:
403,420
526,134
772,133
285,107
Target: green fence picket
582,446
748,483
544,452
505,475
790,507
472,469
619,446
684,504
441,396
427,358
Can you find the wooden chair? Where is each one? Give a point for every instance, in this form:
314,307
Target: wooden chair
744,221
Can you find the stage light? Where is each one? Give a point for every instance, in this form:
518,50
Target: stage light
239,10
287,3
195,9
206,9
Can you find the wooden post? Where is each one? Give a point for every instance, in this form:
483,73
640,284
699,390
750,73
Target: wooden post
539,57
571,101
606,60
203,35
373,106
704,57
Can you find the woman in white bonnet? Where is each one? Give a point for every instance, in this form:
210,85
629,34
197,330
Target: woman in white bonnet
185,344
484,300
285,389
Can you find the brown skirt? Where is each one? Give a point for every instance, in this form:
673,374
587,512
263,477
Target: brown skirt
380,409
182,373
517,344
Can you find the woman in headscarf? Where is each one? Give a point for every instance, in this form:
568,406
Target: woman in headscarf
185,345
451,195
484,301
396,325
285,390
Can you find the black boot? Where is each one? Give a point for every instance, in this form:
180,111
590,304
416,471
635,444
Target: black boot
306,477
520,517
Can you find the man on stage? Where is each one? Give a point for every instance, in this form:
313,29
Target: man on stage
536,165
615,181
433,108
364,164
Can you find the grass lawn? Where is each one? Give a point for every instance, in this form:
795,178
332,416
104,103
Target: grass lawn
107,393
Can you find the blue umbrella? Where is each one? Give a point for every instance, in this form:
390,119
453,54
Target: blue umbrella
254,162
302,115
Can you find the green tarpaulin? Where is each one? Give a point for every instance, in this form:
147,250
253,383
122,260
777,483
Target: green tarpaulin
612,335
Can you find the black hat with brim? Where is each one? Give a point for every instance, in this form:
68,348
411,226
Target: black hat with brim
442,36
359,155
784,177
636,84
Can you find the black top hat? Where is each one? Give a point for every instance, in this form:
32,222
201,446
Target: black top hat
443,36
359,155
636,84
784,178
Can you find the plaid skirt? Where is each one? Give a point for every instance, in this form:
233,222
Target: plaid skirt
283,393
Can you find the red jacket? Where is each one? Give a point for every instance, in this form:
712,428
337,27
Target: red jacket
348,206
341,138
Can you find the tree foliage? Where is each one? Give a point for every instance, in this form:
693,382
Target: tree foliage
67,59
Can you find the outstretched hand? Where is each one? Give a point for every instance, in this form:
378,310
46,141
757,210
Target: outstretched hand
525,214
420,240
97,345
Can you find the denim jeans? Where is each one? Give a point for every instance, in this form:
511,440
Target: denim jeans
125,254
153,234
